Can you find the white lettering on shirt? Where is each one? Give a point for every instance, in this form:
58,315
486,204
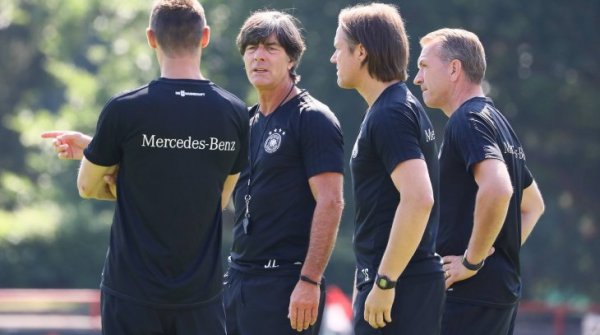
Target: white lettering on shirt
515,151
429,135
188,143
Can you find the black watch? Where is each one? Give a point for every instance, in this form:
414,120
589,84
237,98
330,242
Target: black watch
472,267
384,282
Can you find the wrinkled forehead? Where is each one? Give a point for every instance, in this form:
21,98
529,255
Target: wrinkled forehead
431,49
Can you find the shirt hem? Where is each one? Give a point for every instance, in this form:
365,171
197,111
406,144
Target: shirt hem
120,295
284,268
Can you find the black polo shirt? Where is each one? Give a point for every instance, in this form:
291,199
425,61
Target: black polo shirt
477,131
175,142
299,140
395,129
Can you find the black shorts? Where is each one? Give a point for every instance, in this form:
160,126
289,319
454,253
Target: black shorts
124,317
467,319
257,304
417,308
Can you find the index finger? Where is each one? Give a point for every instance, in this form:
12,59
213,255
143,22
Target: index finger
52,134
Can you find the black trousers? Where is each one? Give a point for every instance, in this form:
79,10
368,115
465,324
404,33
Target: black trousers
124,317
257,303
417,308
467,319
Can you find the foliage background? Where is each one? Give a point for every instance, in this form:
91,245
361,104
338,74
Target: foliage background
61,60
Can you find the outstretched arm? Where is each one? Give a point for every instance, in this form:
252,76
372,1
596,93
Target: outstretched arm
68,144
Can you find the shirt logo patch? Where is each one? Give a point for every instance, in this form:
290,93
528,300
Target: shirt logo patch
273,142
429,135
183,94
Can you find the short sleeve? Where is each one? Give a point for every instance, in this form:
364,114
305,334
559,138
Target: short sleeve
527,177
322,142
244,126
105,148
475,138
395,135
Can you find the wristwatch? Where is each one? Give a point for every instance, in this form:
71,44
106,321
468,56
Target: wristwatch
472,267
384,282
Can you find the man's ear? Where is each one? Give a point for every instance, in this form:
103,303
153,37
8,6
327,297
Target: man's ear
455,69
362,52
205,37
151,37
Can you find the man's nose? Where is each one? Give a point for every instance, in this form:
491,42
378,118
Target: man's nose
418,79
259,54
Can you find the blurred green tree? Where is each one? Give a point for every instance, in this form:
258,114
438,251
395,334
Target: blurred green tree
63,59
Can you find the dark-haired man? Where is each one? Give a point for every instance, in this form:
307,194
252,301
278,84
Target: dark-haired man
288,202
399,282
179,144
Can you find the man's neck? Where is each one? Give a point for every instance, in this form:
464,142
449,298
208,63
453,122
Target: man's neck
270,99
371,88
460,94
181,68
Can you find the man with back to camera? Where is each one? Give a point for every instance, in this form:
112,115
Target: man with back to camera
399,281
289,198
489,199
179,144
288,201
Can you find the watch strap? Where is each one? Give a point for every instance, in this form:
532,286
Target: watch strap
384,282
470,266
310,281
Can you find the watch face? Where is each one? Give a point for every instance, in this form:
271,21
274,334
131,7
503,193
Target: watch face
384,283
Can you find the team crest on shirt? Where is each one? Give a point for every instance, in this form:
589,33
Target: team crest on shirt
273,141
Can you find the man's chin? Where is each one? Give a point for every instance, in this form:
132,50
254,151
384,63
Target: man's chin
344,85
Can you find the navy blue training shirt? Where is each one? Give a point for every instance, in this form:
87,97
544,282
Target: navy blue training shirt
477,131
175,142
395,129
300,139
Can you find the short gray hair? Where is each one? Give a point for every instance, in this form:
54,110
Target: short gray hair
462,45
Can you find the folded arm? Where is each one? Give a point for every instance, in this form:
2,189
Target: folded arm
228,188
91,181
